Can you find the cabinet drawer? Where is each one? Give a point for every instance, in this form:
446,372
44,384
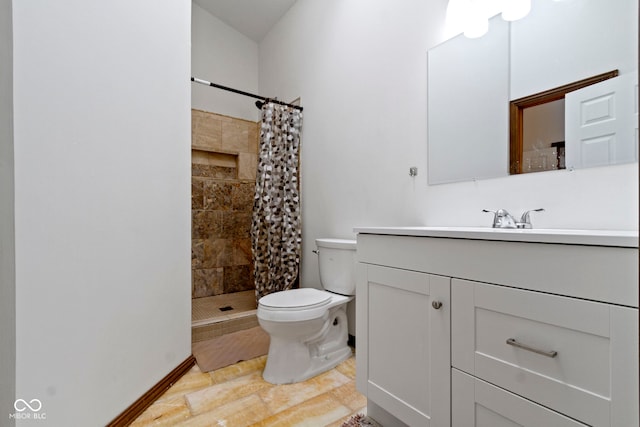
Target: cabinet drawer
477,403
574,356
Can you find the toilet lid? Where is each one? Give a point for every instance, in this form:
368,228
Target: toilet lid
296,299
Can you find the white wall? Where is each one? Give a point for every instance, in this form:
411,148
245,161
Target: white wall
224,56
102,210
360,69
7,237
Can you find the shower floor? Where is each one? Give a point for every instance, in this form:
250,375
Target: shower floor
222,314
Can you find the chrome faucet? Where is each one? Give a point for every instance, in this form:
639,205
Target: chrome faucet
503,219
525,220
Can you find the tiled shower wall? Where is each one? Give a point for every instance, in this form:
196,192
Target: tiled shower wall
224,161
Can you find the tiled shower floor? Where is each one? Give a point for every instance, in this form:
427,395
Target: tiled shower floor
222,314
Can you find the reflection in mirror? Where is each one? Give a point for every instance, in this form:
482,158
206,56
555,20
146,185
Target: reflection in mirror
537,127
543,137
601,123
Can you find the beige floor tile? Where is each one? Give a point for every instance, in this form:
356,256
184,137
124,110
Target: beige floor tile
281,397
191,381
318,411
349,396
221,394
348,367
237,396
166,413
239,413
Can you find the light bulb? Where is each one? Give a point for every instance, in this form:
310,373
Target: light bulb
477,22
477,26
515,9
456,16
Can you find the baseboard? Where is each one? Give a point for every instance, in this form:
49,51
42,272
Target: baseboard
138,407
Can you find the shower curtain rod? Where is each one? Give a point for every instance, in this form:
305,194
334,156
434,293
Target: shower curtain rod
204,82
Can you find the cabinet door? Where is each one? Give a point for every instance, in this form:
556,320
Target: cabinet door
476,403
405,353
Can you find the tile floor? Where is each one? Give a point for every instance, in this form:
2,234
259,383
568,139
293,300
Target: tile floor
237,396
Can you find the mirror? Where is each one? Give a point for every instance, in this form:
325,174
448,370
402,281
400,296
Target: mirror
468,134
560,42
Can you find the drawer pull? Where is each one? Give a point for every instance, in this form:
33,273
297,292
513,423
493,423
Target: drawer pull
515,343
436,305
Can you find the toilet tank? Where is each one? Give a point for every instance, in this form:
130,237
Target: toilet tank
337,264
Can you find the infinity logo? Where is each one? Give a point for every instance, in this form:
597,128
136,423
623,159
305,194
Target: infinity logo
21,403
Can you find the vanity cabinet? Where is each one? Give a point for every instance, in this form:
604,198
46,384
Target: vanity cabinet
472,332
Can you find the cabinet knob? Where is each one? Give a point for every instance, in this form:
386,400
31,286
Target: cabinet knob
436,304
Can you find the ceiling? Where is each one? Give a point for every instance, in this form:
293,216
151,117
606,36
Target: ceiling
253,18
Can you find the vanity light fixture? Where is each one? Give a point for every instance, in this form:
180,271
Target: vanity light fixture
512,10
476,22
471,17
476,28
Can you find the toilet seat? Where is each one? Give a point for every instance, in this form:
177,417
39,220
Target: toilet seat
295,305
295,299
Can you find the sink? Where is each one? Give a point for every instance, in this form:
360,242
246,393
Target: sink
619,238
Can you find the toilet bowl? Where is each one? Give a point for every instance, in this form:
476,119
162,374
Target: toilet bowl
308,326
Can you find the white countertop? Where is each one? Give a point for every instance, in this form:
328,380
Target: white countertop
619,238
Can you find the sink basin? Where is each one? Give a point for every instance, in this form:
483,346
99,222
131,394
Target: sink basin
620,238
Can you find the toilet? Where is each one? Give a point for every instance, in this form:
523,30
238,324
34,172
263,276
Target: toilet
308,326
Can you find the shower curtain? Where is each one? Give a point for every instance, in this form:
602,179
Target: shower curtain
276,235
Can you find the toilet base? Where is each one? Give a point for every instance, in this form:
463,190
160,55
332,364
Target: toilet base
292,360
274,374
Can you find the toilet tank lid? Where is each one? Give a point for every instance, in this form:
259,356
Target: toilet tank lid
336,243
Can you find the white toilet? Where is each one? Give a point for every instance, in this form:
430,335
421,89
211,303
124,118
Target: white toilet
308,326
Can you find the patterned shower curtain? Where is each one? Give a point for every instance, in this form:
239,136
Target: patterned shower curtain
276,236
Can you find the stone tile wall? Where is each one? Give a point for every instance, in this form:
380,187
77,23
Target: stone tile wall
224,162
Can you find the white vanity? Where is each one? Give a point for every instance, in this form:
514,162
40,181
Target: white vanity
486,327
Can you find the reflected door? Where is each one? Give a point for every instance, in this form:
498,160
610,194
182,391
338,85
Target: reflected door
601,123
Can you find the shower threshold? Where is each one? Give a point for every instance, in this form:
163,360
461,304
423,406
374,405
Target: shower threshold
222,314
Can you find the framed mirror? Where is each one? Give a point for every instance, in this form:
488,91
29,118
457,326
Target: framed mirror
559,43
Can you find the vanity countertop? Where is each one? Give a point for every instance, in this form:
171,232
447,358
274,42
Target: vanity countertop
618,238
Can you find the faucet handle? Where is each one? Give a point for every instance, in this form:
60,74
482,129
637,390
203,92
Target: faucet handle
502,219
495,216
525,220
